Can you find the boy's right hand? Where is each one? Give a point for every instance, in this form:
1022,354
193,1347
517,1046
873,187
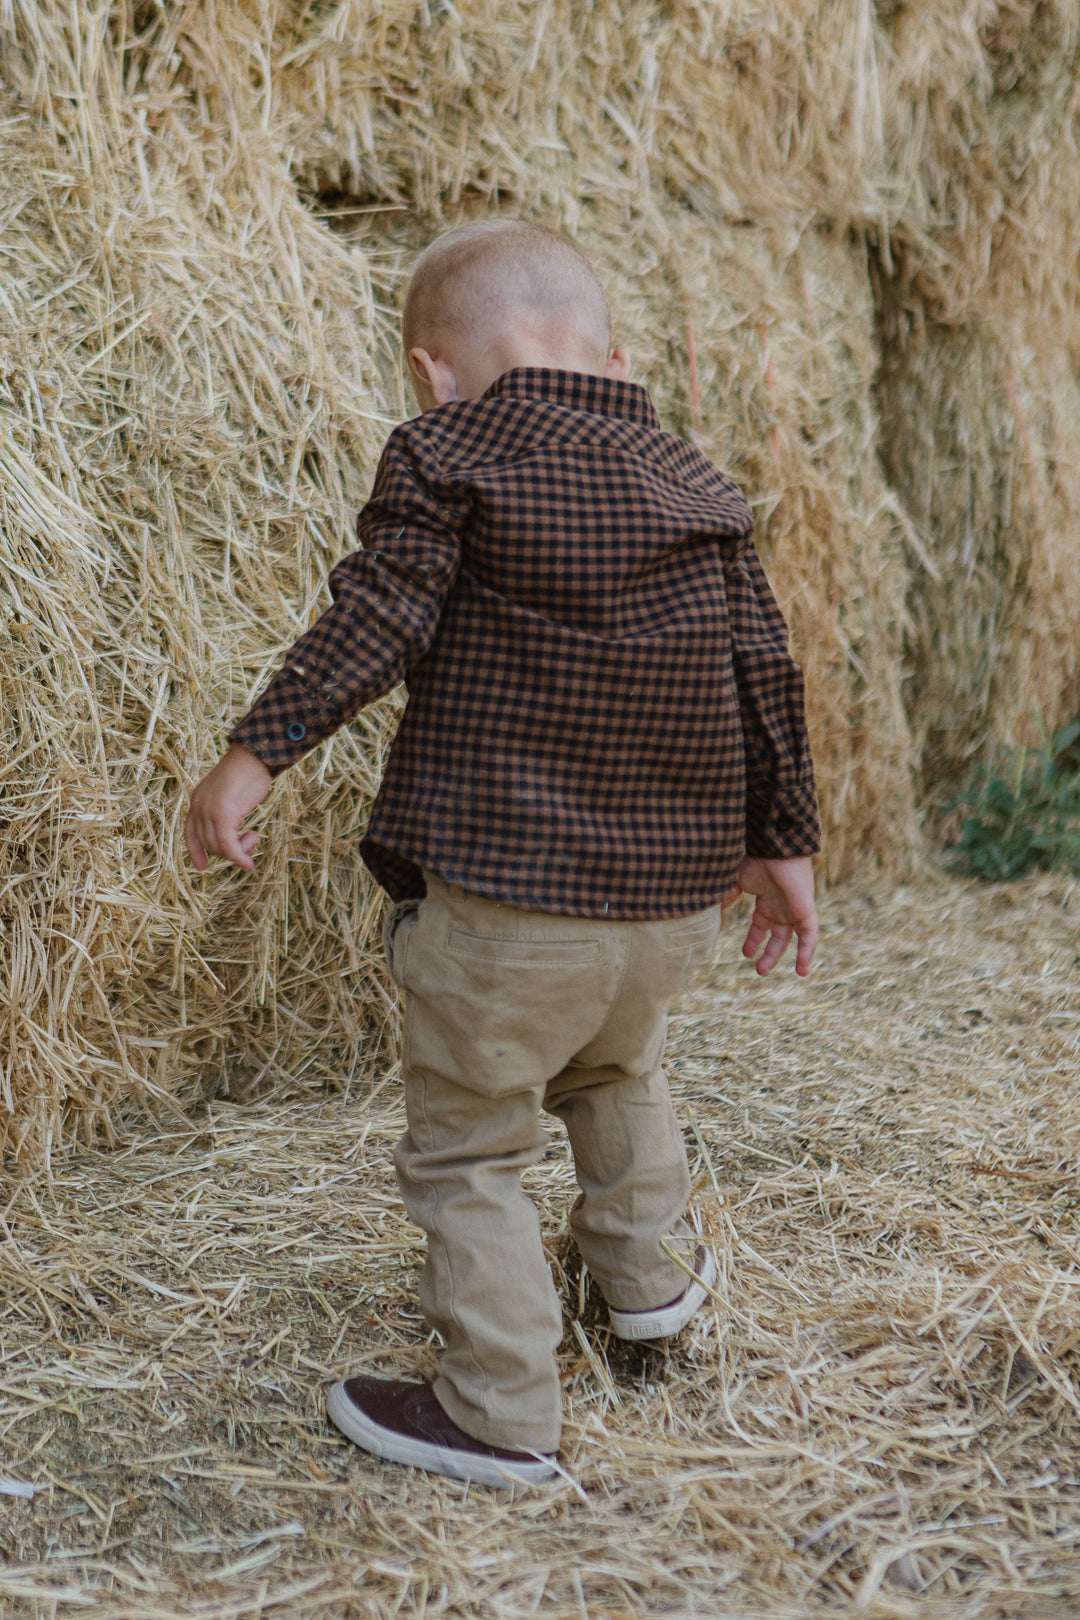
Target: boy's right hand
221,804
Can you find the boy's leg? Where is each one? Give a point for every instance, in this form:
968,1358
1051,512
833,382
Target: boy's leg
498,1001
628,1149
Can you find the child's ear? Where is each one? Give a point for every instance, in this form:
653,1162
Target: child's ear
618,365
434,380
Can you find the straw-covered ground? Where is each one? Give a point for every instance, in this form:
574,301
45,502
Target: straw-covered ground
881,1416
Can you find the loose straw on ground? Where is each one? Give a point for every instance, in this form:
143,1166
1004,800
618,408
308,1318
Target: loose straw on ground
880,1417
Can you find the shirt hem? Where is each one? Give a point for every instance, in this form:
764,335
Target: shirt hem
509,894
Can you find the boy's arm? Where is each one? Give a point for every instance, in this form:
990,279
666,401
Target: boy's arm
781,800
387,602
783,827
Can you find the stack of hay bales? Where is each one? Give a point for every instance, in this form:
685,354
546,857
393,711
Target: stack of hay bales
976,288
927,153
809,215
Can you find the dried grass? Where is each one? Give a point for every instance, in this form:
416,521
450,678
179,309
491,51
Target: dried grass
980,133
187,423
979,430
980,383
197,370
881,1417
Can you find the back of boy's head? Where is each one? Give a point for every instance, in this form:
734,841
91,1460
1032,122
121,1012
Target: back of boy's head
494,273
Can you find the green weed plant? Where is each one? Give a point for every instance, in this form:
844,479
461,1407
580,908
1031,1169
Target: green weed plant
1023,815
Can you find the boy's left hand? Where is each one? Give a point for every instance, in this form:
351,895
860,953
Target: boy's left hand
784,896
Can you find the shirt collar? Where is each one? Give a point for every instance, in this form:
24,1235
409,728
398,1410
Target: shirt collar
578,390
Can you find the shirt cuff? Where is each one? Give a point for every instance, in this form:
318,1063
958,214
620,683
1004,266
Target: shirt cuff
285,724
786,829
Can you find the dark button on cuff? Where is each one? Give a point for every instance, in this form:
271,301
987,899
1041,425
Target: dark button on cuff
297,731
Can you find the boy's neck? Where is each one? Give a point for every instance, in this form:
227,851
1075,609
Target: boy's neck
511,351
452,370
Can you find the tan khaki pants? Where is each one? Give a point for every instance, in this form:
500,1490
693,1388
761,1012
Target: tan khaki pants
508,1013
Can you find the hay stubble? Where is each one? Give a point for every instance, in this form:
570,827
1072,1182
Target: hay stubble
881,1415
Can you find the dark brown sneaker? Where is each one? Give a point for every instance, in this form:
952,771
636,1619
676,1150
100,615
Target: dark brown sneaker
405,1423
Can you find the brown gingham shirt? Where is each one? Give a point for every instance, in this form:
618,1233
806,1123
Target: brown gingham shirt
603,714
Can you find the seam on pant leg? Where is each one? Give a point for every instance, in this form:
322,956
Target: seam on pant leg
451,1308
420,1080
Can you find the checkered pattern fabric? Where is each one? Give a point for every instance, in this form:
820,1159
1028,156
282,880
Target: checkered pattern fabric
603,714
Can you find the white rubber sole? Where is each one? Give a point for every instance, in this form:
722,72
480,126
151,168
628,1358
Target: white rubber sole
402,1448
664,1323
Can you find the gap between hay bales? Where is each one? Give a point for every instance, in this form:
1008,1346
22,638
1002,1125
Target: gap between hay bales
881,1417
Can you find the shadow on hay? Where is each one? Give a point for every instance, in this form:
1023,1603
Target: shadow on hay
584,1306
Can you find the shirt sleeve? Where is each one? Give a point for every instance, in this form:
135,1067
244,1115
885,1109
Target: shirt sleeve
387,600
782,818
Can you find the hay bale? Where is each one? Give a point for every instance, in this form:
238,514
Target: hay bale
187,426
979,388
196,374
979,432
981,131
761,109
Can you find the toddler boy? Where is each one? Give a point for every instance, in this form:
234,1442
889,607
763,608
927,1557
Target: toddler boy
604,742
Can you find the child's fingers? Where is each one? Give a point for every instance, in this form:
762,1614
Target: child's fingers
774,937
206,836
779,940
229,844
808,939
194,844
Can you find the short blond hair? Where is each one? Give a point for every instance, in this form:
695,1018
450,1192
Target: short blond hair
504,268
